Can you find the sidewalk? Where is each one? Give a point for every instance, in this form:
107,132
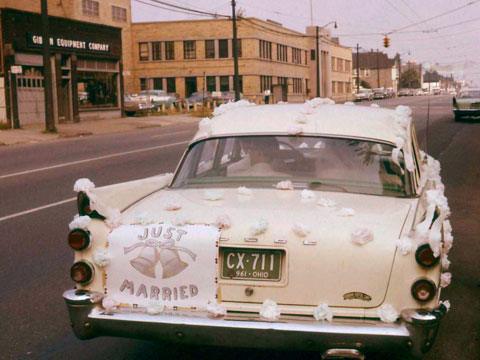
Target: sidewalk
34,133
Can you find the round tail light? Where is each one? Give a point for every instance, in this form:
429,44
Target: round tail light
424,256
81,272
423,290
79,239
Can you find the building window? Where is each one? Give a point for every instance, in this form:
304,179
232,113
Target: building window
312,55
224,83
282,80
296,56
334,90
297,86
265,49
334,63
143,51
239,47
339,64
340,87
169,50
90,8
210,49
265,83
156,50
355,72
189,49
348,65
119,14
282,53
143,83
171,88
97,85
211,83
348,89
306,57
158,83
367,72
223,48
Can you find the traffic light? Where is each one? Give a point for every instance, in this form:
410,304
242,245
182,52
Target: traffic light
386,42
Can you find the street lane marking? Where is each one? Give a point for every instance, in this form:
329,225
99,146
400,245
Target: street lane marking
92,159
36,209
174,133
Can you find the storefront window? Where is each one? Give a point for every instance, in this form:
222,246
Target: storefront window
97,89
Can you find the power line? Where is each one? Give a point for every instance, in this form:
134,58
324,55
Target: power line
168,9
192,10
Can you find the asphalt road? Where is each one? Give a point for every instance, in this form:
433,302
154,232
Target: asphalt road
36,206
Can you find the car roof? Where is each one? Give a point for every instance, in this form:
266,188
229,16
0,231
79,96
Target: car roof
327,120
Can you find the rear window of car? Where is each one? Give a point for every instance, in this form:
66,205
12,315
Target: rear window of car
317,163
469,94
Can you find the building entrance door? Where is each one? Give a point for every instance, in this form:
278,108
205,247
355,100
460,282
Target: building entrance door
279,92
190,86
30,99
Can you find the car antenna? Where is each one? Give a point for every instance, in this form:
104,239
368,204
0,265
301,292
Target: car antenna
426,130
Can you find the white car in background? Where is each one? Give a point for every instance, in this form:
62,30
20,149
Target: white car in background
309,226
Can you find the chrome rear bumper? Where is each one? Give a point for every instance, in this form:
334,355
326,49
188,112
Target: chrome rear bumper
89,320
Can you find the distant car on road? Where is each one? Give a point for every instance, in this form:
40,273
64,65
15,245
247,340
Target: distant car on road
466,103
134,106
390,93
364,94
418,92
403,92
197,98
158,98
379,93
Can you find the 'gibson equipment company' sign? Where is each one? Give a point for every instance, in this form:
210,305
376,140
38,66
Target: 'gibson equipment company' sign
175,266
69,44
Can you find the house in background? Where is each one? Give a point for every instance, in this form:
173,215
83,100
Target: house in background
377,70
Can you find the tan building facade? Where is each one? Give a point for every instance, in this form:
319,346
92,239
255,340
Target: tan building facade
376,70
188,56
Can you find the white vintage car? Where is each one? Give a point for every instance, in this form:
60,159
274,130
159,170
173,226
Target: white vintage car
310,226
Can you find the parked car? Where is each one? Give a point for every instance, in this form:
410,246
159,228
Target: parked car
390,93
418,92
134,106
466,103
158,98
198,98
403,92
379,93
301,226
436,91
227,96
364,94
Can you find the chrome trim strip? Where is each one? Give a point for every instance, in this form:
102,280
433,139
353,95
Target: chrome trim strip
280,241
250,240
309,242
223,239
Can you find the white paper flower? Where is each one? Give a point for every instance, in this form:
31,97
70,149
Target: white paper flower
141,218
216,310
319,145
242,190
258,227
231,105
270,310
387,313
445,279
322,312
155,308
205,125
345,212
301,229
361,236
316,102
375,105
223,221
114,219
326,202
301,118
349,103
404,111
445,262
80,222
284,185
212,195
303,145
110,303
404,245
445,303
102,257
307,109
295,130
307,194
181,219
84,185
173,205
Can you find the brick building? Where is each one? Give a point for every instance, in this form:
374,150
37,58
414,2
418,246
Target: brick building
87,57
192,55
377,70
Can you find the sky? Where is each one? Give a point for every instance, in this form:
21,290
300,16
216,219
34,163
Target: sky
448,43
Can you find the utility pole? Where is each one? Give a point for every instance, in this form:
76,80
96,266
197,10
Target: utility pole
378,68
358,69
236,84
311,13
317,59
47,71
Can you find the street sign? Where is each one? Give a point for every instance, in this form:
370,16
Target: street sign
16,69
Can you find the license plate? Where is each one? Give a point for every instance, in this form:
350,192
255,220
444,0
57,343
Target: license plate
251,264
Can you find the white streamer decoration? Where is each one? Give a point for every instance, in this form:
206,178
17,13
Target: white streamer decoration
270,310
258,227
223,221
387,313
155,308
301,229
216,310
242,190
102,257
345,212
307,194
284,185
80,222
445,279
323,312
361,236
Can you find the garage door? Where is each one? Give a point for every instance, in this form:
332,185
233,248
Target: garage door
31,99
